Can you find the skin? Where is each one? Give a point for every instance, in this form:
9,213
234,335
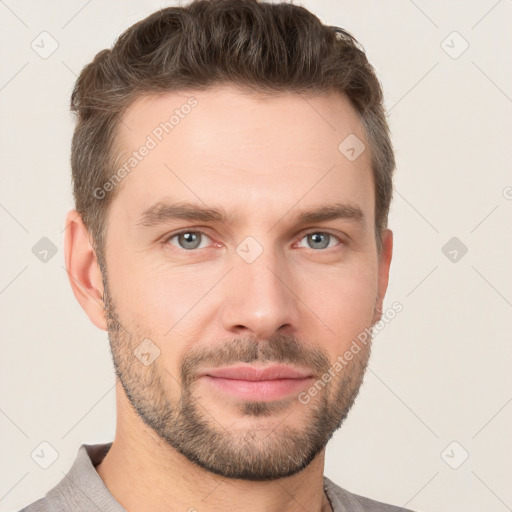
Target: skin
263,159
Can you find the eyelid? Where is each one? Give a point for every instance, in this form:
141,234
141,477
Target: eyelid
202,231
309,231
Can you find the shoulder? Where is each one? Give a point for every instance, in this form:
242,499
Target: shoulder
40,505
81,489
345,501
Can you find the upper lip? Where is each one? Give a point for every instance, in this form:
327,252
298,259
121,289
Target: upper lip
254,373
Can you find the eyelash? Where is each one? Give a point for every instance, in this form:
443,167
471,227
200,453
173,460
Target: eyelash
302,235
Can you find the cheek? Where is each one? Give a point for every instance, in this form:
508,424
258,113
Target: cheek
344,301
161,299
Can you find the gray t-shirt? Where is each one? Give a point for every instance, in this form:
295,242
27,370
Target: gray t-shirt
83,490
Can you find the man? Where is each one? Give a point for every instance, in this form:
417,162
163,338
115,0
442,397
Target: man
232,175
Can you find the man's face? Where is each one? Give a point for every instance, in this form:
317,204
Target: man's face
188,296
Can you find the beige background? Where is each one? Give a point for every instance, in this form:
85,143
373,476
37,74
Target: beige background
440,371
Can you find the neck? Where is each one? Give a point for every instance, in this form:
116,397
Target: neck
143,473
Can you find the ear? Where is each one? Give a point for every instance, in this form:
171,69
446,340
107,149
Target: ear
83,269
384,264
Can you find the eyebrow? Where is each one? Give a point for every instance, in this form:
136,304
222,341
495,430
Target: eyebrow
162,212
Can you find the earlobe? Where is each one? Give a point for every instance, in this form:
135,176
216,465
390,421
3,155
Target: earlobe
83,269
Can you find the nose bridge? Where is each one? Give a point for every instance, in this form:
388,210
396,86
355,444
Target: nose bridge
260,297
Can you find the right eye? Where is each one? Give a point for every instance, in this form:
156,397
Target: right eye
187,240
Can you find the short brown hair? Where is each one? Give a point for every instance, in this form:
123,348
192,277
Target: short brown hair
263,47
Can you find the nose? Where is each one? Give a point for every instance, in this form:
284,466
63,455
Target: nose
259,298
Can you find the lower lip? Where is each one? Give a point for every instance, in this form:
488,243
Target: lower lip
261,390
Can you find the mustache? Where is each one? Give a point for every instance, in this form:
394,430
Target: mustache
281,348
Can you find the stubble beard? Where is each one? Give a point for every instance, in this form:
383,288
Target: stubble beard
256,453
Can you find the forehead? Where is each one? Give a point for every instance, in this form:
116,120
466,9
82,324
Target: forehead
226,147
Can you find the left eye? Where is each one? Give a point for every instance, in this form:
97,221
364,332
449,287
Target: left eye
320,240
188,240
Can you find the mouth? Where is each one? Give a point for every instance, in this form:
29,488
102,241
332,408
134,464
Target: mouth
258,383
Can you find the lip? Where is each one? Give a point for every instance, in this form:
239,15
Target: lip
261,384
254,373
